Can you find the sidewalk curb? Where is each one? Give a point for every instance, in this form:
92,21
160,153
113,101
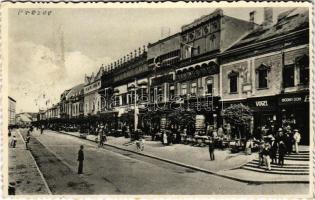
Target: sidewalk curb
193,167
40,173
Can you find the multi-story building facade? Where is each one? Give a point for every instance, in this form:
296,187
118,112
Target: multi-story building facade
53,112
63,105
163,59
212,63
11,111
75,99
92,98
197,76
120,82
268,70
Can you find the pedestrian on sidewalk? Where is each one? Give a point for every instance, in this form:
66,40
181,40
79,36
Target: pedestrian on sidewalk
80,159
297,139
273,151
266,155
288,141
249,146
282,152
211,149
100,136
142,141
42,129
13,142
27,140
260,153
165,138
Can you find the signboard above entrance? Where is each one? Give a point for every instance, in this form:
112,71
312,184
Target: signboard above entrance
293,99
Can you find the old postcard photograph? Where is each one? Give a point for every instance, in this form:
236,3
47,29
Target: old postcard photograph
157,99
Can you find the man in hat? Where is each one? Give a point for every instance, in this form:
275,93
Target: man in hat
211,149
260,153
266,155
280,135
80,159
282,152
273,150
288,141
297,139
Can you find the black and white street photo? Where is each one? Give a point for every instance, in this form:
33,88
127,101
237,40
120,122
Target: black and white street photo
159,99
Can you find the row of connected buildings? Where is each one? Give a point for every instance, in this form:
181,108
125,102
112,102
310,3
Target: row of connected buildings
212,63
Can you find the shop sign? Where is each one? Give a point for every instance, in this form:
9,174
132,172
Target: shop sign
293,99
266,103
261,103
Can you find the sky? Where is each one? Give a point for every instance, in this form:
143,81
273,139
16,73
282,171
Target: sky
49,54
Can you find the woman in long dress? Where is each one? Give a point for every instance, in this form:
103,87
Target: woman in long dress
165,138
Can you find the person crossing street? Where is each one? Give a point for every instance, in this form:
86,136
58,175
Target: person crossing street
80,160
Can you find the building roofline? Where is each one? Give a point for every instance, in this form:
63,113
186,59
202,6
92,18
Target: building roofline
255,44
164,39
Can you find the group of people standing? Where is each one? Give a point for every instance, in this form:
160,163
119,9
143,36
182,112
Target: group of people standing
281,144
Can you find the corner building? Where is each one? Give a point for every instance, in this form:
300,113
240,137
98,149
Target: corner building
268,70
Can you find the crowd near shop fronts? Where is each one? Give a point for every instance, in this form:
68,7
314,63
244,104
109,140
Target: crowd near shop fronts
184,82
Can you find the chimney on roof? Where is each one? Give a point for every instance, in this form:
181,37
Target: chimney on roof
268,16
252,16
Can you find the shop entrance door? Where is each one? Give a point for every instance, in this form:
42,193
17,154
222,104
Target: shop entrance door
263,120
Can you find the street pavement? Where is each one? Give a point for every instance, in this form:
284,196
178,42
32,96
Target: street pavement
226,164
119,172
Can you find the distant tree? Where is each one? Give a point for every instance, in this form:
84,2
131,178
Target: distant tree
182,117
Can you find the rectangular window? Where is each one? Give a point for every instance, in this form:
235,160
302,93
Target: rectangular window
172,92
151,95
187,51
262,78
193,89
160,93
209,86
303,64
233,84
196,51
304,75
124,99
117,100
184,89
288,76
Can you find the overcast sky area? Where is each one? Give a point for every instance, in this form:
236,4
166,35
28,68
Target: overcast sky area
37,71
